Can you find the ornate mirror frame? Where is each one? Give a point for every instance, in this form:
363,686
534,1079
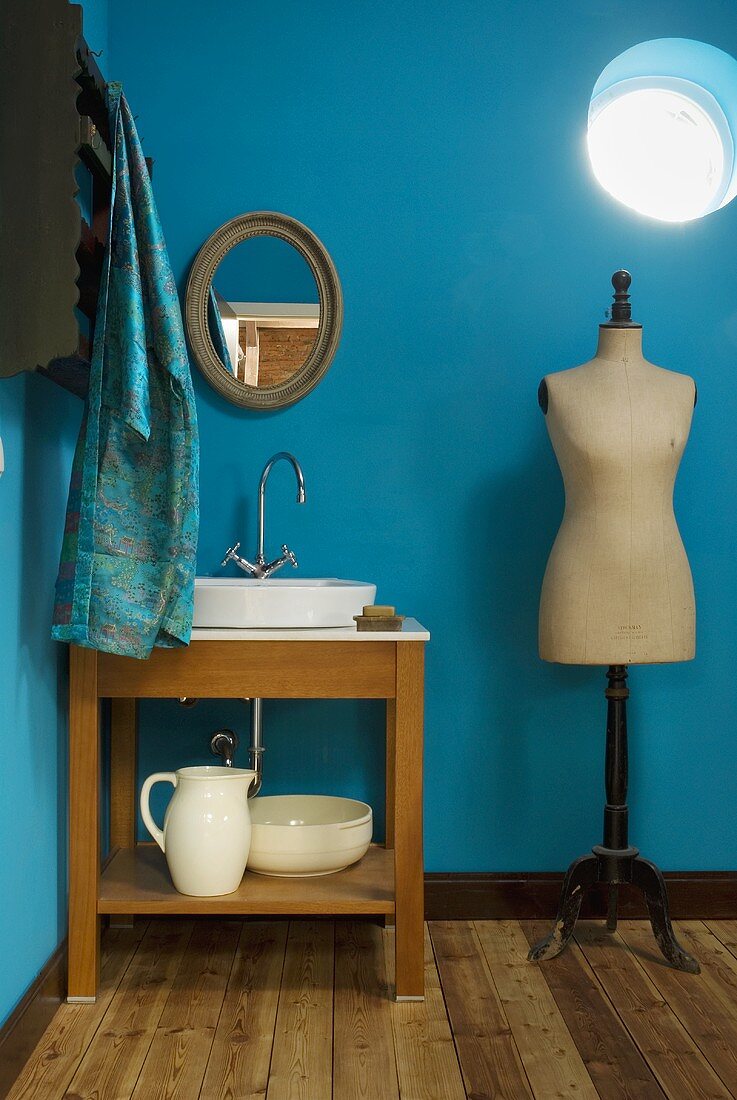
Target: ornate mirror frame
258,224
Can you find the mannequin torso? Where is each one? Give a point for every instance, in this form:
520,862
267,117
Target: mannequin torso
618,588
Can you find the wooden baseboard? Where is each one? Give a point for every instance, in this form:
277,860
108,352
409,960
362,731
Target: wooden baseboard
693,895
31,1016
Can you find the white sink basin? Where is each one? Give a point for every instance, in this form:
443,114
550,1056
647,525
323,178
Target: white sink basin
246,603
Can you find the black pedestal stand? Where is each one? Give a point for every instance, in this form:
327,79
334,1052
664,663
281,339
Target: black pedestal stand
614,861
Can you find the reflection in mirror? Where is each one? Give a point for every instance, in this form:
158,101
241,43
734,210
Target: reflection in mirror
263,311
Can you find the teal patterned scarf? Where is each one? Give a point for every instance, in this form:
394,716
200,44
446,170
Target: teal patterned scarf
126,577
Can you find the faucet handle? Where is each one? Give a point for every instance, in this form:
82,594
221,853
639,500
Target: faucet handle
230,554
289,556
271,567
242,563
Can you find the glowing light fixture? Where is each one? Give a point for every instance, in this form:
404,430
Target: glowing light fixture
662,144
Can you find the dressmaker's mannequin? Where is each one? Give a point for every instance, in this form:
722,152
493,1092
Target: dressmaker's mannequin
617,588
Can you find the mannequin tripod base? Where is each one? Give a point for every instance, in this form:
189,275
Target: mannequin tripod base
615,862
614,866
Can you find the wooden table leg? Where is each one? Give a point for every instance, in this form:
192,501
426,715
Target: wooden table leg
408,861
391,741
84,825
123,782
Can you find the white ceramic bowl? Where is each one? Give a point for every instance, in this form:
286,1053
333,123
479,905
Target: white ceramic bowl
302,835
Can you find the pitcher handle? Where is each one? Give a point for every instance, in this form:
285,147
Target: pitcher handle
157,777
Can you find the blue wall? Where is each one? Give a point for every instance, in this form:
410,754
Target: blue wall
265,269
38,424
438,151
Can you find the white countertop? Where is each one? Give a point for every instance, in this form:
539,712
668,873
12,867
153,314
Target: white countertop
411,631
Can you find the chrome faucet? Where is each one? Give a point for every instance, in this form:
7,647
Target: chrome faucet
261,568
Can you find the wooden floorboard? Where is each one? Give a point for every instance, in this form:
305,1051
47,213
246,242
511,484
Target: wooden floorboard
241,1051
613,1060
364,1067
234,1009
705,1003
302,1058
65,1041
114,1058
552,1063
726,932
673,1056
427,1063
177,1058
488,1054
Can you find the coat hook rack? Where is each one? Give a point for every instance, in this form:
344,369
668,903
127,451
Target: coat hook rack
93,151
92,98
62,122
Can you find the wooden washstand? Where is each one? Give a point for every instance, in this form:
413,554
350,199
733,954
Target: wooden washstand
278,664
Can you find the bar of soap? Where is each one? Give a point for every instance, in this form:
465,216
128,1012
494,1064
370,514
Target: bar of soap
379,622
383,611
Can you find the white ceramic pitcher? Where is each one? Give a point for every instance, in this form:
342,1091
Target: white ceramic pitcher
207,827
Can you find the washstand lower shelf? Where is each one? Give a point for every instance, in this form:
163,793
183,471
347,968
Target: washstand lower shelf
136,880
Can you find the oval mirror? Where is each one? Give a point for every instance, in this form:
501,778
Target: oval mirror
263,310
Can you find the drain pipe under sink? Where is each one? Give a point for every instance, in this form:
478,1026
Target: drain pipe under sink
224,743
256,748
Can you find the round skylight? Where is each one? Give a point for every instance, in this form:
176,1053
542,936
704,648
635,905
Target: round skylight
662,144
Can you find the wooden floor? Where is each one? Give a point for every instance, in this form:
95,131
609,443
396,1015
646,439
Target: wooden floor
240,1010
